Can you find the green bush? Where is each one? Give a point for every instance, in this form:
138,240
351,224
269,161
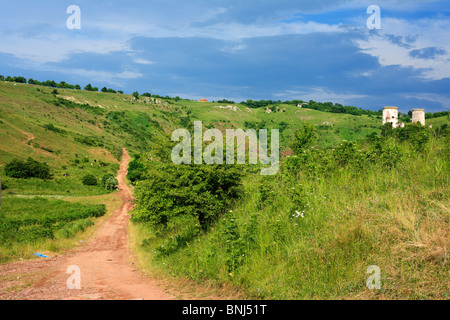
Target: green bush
304,138
135,169
110,182
173,190
27,169
89,180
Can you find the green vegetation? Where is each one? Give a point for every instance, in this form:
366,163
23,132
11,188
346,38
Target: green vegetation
349,193
35,220
312,231
110,182
89,180
136,169
28,169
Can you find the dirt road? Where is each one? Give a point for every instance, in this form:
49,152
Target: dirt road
105,263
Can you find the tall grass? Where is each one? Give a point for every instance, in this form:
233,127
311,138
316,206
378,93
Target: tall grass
313,230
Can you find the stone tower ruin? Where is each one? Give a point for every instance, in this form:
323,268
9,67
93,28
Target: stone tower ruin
390,115
418,115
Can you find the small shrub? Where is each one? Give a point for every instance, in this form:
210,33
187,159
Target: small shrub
51,127
110,182
89,180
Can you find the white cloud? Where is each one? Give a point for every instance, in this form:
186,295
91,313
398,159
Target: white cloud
430,97
56,48
113,78
142,61
319,94
425,32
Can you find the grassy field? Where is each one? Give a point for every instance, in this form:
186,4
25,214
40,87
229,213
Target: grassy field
309,232
29,224
332,127
312,231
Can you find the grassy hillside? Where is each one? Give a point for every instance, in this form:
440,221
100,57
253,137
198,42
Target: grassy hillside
311,231
80,132
332,127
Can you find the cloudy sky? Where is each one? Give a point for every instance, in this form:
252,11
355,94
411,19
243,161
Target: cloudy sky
238,49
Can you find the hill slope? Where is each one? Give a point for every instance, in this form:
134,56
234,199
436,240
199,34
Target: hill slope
309,232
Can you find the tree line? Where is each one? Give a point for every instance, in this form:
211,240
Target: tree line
320,106
60,85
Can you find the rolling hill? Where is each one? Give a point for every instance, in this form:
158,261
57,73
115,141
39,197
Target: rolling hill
309,232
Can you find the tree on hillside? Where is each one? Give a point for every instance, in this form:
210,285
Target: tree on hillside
304,138
88,87
136,95
20,80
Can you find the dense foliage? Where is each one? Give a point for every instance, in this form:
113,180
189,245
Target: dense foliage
136,169
27,169
170,191
89,180
110,182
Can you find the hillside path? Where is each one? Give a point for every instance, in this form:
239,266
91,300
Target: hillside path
105,262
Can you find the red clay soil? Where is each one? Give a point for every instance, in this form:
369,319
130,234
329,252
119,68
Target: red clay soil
106,265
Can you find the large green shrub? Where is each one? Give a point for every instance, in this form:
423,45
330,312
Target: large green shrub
174,190
135,169
89,180
110,182
27,169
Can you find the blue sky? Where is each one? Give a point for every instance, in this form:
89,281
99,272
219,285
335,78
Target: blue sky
310,50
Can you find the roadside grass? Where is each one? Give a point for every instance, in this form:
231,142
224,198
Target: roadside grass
69,236
303,236
179,286
65,183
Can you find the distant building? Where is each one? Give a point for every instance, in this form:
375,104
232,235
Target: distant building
390,115
203,100
418,115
